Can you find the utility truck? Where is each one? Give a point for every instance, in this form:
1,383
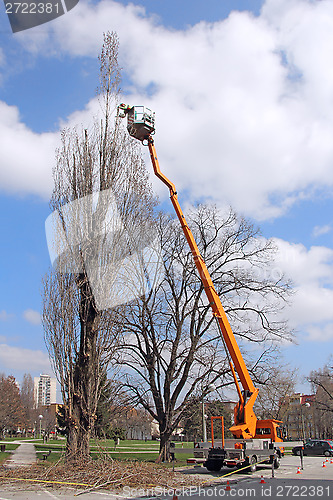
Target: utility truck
254,440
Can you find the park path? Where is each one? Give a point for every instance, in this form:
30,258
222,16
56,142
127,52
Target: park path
25,454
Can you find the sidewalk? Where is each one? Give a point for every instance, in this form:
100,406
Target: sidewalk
25,454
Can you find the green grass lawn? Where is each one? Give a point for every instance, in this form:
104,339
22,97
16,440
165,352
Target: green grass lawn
127,450
4,455
137,450
9,439
56,446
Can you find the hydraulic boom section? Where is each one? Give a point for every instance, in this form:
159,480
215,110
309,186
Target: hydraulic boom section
141,125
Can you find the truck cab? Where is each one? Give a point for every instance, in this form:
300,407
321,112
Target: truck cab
269,429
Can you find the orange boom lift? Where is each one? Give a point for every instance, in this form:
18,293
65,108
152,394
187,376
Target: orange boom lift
141,125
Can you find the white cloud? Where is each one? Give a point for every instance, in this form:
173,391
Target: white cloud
17,358
306,266
320,230
321,334
5,316
244,105
32,316
27,158
311,270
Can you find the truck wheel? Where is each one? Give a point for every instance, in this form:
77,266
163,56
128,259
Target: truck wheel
253,463
213,465
327,454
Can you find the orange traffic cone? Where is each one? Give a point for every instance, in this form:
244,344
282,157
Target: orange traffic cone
298,470
324,464
228,488
331,460
175,497
262,480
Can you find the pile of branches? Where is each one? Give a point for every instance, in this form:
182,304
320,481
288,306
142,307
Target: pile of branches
102,473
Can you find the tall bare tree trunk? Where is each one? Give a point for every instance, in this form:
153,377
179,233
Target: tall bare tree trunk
102,195
165,435
85,387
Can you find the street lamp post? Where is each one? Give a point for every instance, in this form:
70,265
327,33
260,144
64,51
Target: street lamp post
204,428
210,388
40,425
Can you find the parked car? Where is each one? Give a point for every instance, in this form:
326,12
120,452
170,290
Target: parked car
315,447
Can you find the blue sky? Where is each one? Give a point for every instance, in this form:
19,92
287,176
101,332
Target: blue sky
243,93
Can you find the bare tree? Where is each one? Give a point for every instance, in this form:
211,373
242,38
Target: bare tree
112,406
322,385
172,347
49,421
192,419
27,398
12,414
101,196
277,386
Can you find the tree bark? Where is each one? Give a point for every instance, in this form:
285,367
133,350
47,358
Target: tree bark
165,435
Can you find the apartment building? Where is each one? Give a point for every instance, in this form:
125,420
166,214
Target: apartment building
45,392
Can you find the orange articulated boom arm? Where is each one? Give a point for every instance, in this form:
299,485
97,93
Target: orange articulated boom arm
141,125
245,420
